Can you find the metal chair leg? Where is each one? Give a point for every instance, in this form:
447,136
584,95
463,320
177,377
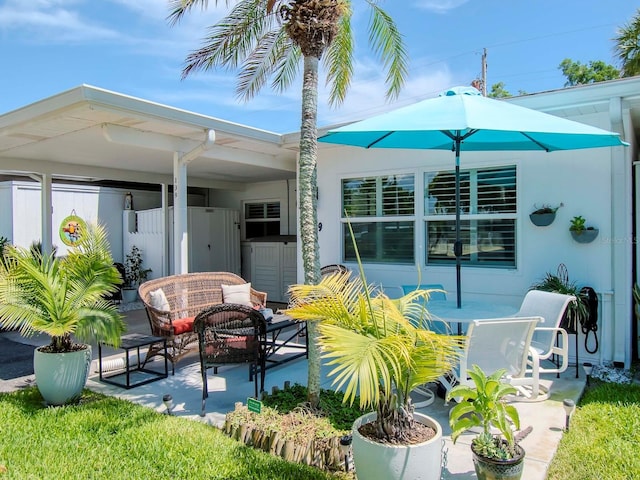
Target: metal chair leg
205,390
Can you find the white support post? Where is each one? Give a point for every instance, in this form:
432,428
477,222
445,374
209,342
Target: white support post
46,211
180,234
165,229
47,214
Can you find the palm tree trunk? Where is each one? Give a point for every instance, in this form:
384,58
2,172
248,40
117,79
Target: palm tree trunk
307,207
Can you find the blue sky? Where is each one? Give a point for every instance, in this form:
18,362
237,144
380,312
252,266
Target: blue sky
127,46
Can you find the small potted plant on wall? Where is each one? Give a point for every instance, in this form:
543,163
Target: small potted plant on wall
544,215
581,232
134,274
65,298
495,456
382,349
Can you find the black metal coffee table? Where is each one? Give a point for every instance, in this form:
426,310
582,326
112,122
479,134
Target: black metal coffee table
134,341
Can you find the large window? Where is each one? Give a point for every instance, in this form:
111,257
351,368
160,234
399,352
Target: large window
381,211
487,211
261,219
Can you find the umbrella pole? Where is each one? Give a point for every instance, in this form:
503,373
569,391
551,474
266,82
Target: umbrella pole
457,246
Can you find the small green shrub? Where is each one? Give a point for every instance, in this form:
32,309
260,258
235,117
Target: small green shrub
341,415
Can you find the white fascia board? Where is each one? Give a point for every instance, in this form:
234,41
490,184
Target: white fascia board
581,95
42,109
157,141
27,166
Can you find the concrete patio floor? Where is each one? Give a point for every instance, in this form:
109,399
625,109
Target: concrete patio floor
232,385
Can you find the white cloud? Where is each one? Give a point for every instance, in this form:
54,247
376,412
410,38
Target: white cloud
439,6
215,94
366,97
157,11
53,20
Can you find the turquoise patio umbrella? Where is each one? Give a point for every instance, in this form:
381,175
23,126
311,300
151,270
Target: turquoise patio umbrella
462,119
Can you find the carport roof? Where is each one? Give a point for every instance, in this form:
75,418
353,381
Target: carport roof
92,133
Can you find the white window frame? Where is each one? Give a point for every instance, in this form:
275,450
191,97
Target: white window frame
467,216
263,219
379,218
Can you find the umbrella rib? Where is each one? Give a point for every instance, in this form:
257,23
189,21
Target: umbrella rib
457,136
546,149
380,139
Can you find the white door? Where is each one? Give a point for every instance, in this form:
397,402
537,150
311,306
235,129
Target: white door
200,241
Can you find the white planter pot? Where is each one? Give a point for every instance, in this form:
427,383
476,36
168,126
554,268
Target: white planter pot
129,295
60,377
378,461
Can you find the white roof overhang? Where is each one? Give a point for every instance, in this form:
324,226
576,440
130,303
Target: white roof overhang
91,133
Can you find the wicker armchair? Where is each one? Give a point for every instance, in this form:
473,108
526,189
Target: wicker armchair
229,333
333,268
187,295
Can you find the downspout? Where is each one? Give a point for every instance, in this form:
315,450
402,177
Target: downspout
620,300
180,235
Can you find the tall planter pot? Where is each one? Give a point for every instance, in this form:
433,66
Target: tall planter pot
492,469
379,461
60,377
129,295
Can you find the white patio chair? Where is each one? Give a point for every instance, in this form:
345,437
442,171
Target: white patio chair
498,343
549,340
439,294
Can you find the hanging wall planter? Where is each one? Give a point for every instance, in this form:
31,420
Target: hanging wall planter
587,235
544,215
542,219
580,232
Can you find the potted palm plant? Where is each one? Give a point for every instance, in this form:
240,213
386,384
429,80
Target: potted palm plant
382,349
495,456
63,297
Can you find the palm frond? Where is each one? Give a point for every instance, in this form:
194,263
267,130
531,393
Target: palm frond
387,42
338,60
232,39
263,61
288,67
627,46
178,8
362,364
62,296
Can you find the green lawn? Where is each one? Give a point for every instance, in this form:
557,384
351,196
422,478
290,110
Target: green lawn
107,438
604,436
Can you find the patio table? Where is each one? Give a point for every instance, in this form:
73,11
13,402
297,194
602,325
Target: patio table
445,310
283,331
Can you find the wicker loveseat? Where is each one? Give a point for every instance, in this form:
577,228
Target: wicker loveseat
186,295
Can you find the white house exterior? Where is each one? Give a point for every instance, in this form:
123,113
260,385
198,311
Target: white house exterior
96,134
596,184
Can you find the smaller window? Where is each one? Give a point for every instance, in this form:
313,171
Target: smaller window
381,211
261,219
